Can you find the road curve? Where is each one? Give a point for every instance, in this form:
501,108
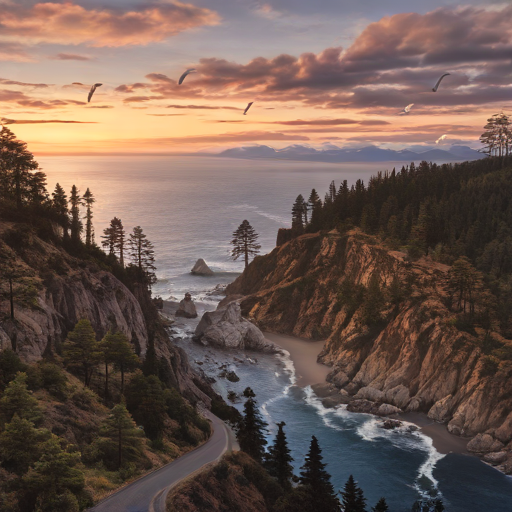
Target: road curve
150,491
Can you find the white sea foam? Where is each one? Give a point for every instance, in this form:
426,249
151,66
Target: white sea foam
405,439
289,368
324,413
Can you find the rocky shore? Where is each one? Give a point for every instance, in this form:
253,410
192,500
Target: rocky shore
413,358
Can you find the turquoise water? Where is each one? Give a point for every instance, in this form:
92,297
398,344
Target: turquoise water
400,465
189,208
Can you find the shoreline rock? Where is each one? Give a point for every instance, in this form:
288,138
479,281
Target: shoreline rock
226,328
201,268
187,308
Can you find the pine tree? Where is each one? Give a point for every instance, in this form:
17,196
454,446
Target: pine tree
16,166
89,229
299,214
146,401
75,202
352,497
317,482
60,207
120,239
82,349
315,206
381,506
278,459
332,192
466,284
142,254
20,444
120,436
497,137
252,428
117,350
55,479
114,239
314,199
18,400
374,302
245,242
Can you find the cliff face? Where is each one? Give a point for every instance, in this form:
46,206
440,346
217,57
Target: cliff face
57,290
414,357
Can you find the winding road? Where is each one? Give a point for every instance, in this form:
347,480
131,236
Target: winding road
149,493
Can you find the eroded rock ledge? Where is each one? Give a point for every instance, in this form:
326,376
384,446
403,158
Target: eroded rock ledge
415,359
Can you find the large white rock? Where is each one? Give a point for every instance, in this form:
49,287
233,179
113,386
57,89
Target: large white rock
187,308
226,328
201,268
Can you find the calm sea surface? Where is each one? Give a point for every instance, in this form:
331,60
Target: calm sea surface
189,207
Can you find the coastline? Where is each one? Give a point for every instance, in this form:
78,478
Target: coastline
309,372
304,354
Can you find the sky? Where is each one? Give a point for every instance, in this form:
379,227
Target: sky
328,72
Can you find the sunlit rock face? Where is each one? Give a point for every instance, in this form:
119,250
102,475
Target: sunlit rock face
414,358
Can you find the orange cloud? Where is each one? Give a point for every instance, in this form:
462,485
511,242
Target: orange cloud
68,23
14,52
392,61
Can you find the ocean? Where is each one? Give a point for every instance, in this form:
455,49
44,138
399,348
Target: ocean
189,207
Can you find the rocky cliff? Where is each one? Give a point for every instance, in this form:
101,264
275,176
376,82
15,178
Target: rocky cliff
412,355
56,290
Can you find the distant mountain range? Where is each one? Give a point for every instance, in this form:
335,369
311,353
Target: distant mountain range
335,154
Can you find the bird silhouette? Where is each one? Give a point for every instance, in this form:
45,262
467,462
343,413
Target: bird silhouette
439,81
182,77
91,92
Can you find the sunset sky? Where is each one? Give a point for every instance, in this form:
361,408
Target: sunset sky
319,72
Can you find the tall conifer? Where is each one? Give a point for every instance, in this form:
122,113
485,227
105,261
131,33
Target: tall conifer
89,229
317,481
252,428
278,459
245,242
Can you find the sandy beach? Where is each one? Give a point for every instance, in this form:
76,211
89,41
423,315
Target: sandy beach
303,354
443,441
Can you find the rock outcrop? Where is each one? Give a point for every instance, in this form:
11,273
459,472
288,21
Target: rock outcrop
413,358
226,328
187,308
201,268
65,289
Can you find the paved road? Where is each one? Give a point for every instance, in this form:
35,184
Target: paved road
149,492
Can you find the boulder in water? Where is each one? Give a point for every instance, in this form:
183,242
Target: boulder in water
391,424
226,328
187,308
201,268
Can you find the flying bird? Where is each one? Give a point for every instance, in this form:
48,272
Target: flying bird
441,138
248,107
91,92
439,81
182,77
407,109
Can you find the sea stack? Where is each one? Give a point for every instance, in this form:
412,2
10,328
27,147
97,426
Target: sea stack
187,308
201,268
